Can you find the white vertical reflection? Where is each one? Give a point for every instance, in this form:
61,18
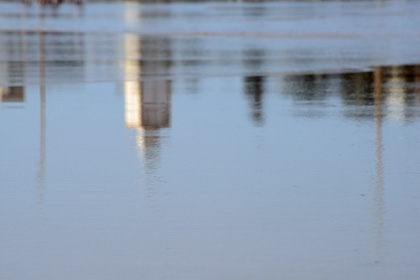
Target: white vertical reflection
396,99
132,88
146,103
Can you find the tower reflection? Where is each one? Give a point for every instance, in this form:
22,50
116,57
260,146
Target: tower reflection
146,103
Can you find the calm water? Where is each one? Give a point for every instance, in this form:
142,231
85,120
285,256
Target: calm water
210,141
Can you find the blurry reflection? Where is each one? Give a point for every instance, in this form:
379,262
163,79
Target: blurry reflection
12,67
254,85
399,87
12,94
379,167
385,93
147,103
396,100
398,93
254,11
64,56
42,120
254,89
312,87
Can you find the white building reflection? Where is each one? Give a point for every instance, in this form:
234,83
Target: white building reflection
396,100
146,103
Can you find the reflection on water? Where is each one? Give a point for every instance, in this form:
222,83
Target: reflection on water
395,89
254,85
12,94
379,174
72,57
330,184
41,173
254,89
146,103
12,71
61,55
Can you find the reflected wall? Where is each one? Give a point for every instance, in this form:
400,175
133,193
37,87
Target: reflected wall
146,102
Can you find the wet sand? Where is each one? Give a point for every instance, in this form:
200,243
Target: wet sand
226,140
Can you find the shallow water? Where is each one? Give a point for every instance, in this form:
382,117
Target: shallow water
210,140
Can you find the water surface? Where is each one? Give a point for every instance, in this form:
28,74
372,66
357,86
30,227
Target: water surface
210,140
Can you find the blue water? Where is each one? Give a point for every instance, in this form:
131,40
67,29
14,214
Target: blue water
210,140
